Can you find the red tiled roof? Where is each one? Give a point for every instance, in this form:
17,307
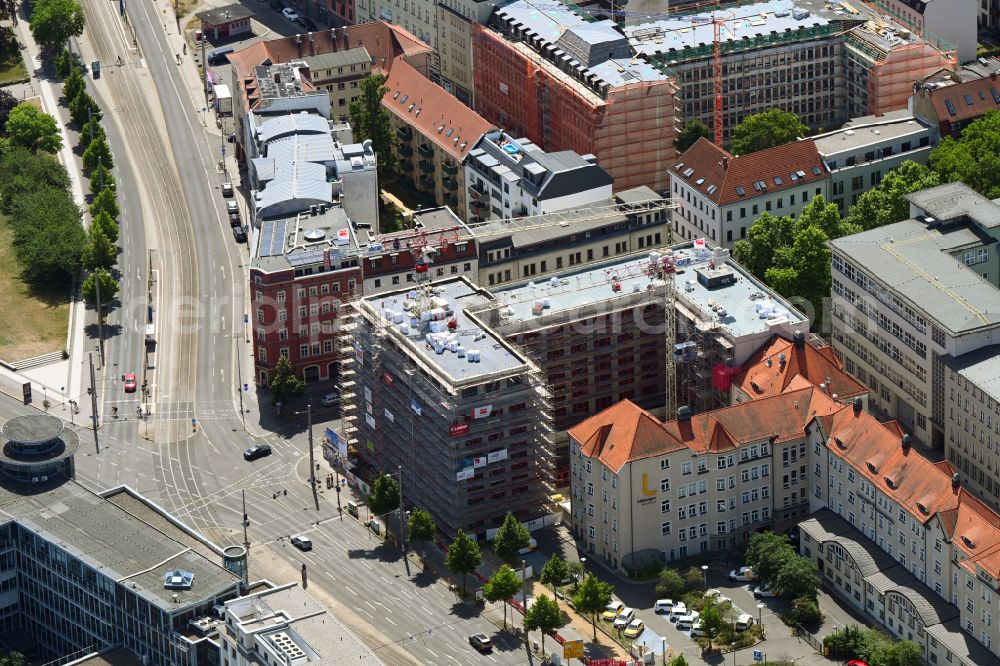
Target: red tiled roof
433,111
621,434
384,42
624,432
817,365
726,172
984,95
877,453
976,532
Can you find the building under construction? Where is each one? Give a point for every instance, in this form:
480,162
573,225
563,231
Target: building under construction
598,333
824,61
465,416
568,83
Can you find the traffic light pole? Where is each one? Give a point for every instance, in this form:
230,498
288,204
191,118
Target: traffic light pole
93,402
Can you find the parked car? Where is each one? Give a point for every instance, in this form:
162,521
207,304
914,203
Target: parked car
301,542
240,234
663,605
744,622
234,220
742,575
130,384
763,592
332,398
231,207
481,642
257,451
611,610
290,14
696,629
685,622
679,610
227,189
307,23
623,619
634,628
532,545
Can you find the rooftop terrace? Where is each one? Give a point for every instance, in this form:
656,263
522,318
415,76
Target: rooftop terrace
433,325
303,239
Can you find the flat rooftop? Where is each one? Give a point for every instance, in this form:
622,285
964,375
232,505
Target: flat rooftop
913,259
302,239
288,617
419,318
981,367
579,289
117,543
862,132
586,287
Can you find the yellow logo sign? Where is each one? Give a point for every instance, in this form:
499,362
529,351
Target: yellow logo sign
645,486
573,650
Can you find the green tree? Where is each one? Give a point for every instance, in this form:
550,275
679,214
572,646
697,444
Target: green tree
805,611
760,544
770,128
73,85
98,153
463,556
591,598
105,202
48,236
64,63
384,495
555,572
502,585
679,660
511,539
284,384
670,585
901,653
768,232
422,527
30,128
22,171
101,179
92,131
576,571
798,577
823,215
82,108
694,578
887,203
99,252
107,225
7,104
53,22
370,120
544,615
109,288
711,622
846,643
803,270
974,159
691,132
13,659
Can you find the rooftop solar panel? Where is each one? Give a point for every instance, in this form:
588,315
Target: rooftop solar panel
303,258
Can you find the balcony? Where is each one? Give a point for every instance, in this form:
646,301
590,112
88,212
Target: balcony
426,166
479,190
477,204
427,182
450,183
450,169
405,150
425,150
451,199
404,133
406,165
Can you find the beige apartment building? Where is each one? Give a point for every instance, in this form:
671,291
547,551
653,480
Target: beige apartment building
645,490
972,420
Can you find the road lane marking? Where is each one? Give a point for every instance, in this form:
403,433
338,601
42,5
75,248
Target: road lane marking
436,656
389,620
350,590
366,613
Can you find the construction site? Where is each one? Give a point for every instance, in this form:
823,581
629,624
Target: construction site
540,74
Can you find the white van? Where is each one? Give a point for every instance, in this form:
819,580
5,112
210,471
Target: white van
663,605
744,622
678,611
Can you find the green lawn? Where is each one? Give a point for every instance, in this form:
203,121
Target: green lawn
11,64
32,321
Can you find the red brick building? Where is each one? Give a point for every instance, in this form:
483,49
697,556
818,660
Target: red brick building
305,266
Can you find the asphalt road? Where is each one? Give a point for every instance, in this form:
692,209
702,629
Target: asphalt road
174,228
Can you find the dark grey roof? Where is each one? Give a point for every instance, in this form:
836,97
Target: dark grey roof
225,14
32,428
593,43
344,58
956,200
568,173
